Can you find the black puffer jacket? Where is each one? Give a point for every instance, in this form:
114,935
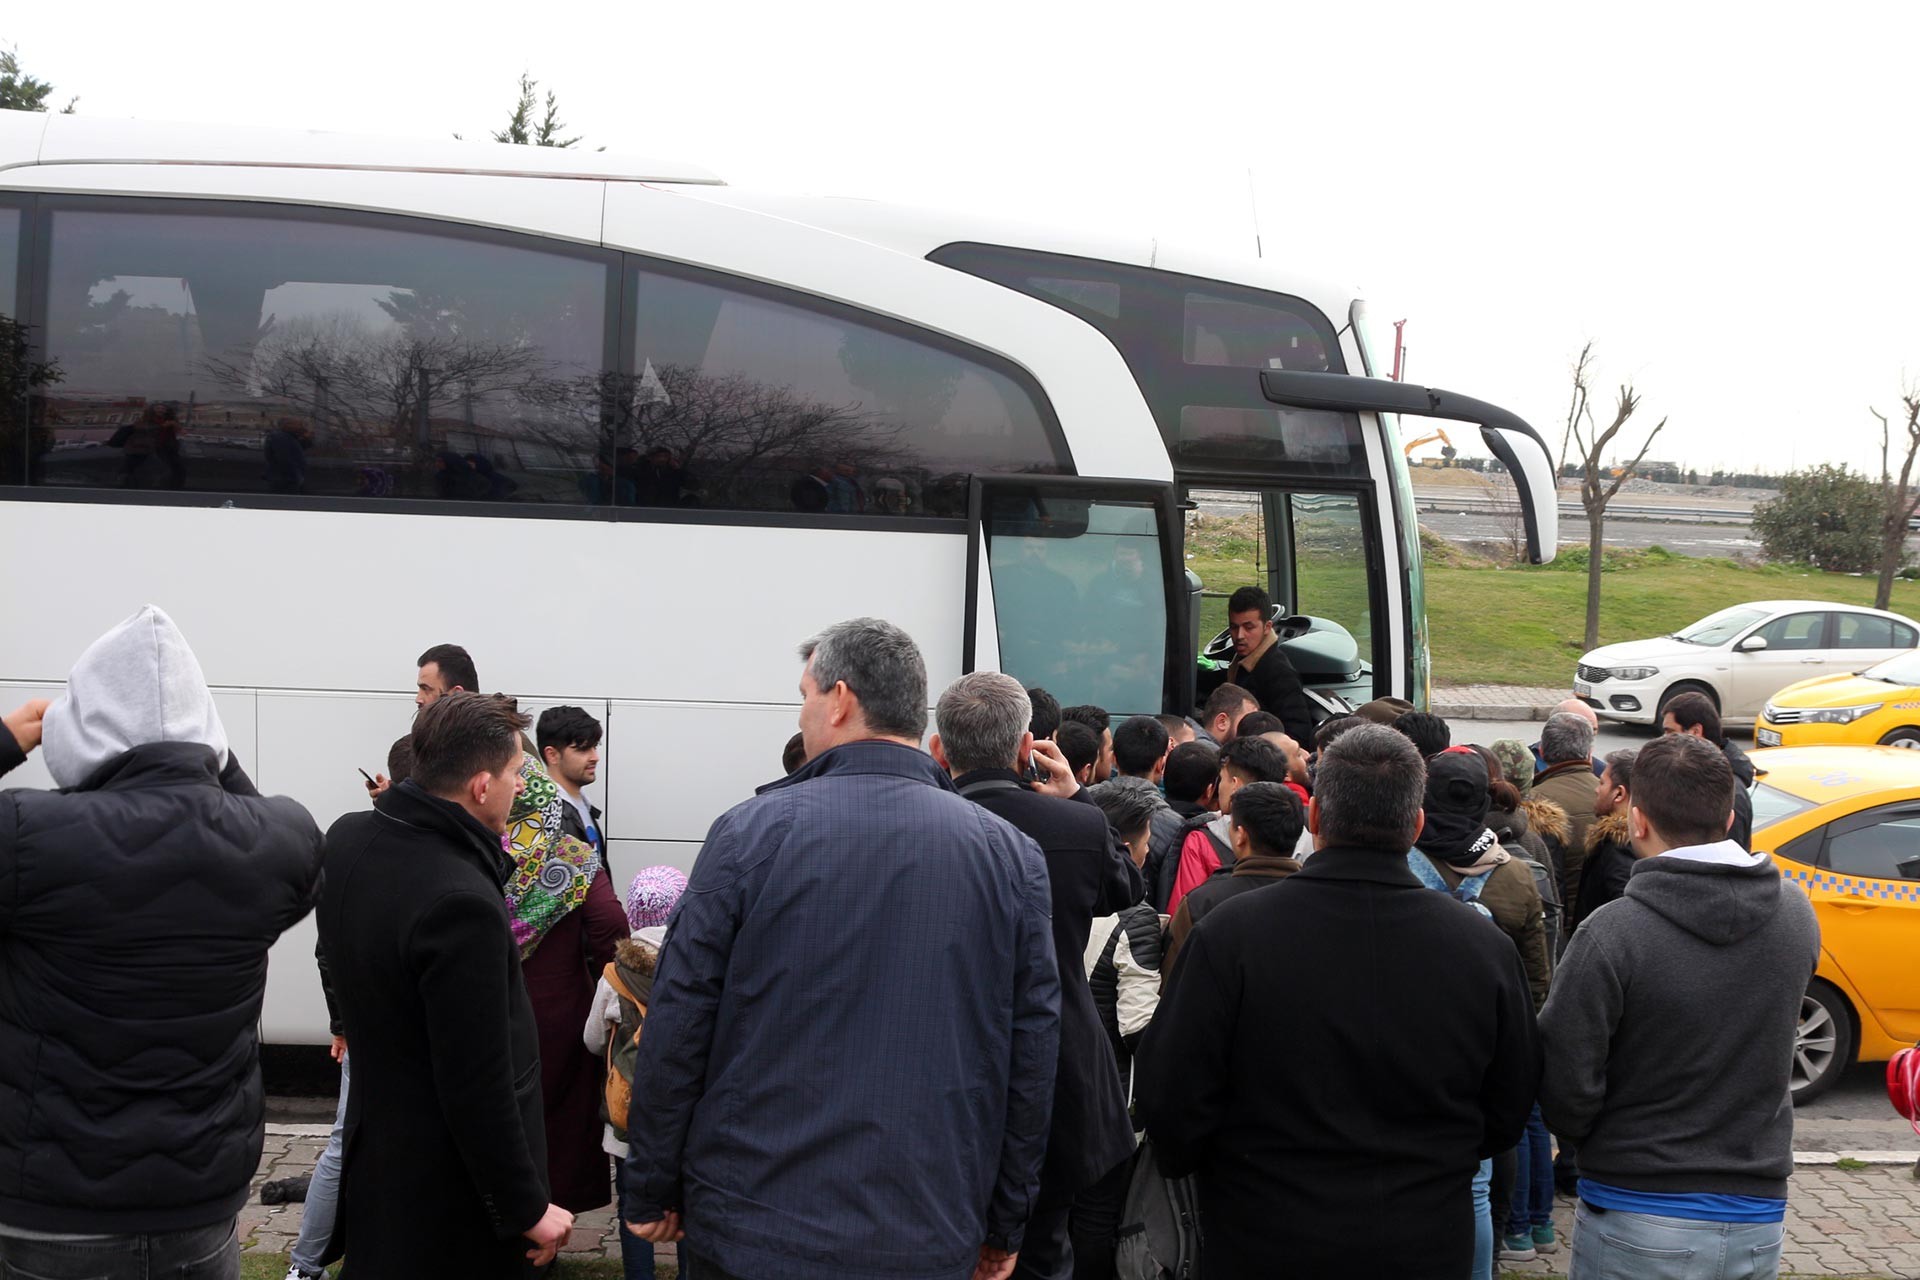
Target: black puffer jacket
136,911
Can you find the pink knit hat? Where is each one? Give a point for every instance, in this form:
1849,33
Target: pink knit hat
651,896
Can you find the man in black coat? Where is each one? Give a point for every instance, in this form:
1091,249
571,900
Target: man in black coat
1260,665
1336,1053
137,907
984,742
444,1119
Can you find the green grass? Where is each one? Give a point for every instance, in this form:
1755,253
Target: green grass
1525,626
1850,1164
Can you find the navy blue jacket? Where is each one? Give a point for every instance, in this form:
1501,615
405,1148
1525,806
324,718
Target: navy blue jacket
848,1063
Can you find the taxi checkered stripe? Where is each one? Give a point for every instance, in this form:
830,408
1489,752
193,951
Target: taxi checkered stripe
1889,890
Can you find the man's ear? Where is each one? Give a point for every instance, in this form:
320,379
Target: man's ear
1313,817
938,752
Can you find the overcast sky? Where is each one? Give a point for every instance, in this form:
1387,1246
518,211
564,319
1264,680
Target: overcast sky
1719,196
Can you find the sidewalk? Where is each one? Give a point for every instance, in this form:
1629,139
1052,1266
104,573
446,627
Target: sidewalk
1852,1223
1496,701
1840,1222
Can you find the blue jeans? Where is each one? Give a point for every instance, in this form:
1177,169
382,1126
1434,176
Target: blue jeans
1483,1222
1533,1180
202,1253
636,1255
323,1193
1613,1245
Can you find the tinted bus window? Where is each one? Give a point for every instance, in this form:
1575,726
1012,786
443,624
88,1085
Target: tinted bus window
286,352
1079,596
1196,348
15,370
744,400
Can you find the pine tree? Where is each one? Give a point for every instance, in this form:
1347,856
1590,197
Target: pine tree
22,92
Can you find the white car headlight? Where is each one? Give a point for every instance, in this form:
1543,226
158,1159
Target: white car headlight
1635,673
1839,715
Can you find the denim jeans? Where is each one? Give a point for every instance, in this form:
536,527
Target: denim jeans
201,1253
636,1255
1483,1223
1612,1245
1533,1180
323,1193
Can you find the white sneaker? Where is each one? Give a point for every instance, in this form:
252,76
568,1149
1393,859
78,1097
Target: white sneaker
295,1273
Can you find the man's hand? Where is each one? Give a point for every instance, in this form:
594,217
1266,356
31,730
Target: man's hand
339,1049
548,1234
665,1231
25,724
994,1264
378,787
1057,775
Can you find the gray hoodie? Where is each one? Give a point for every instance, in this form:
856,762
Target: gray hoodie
1670,1031
137,684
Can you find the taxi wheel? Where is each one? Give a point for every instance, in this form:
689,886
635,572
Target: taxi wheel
1908,737
1823,1042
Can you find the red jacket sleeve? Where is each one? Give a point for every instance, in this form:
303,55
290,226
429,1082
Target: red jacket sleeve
1197,862
606,922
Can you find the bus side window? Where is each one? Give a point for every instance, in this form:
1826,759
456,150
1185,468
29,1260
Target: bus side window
299,352
761,400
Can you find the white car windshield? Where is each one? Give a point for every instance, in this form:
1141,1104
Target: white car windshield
1720,627
1904,670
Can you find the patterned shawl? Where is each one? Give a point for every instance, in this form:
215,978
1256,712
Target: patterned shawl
551,871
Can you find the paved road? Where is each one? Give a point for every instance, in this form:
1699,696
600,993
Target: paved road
1726,541
1722,541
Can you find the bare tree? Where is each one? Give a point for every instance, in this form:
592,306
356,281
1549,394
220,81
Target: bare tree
1576,406
1900,498
1598,484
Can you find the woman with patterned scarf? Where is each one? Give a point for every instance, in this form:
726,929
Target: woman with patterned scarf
567,920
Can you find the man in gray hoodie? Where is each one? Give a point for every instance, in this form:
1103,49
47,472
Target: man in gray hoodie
137,905
1670,1034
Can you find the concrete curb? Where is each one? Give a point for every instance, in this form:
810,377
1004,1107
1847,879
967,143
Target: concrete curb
1490,711
299,1130
1864,1157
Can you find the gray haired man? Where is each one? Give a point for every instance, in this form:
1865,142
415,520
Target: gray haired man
1566,779
985,743
849,1059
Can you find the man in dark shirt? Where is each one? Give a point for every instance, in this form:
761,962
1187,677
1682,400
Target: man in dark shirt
1260,665
1404,1027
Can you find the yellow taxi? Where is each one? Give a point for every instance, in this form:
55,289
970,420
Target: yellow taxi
1843,823
1878,705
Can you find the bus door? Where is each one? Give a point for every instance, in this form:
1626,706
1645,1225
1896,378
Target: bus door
1073,585
1316,552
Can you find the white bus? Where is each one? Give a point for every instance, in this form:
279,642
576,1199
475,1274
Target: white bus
630,434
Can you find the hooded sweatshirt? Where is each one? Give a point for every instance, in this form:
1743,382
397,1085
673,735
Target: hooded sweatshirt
1670,1031
137,906
137,684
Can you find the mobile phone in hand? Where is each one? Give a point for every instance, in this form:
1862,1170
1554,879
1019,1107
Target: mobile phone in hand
371,784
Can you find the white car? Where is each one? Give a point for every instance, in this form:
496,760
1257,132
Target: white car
1739,657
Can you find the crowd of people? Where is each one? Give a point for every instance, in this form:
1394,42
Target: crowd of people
952,1000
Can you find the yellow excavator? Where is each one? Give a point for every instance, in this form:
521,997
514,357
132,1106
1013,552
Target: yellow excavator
1447,451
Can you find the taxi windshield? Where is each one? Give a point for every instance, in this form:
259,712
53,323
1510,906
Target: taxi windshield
1771,805
1903,670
